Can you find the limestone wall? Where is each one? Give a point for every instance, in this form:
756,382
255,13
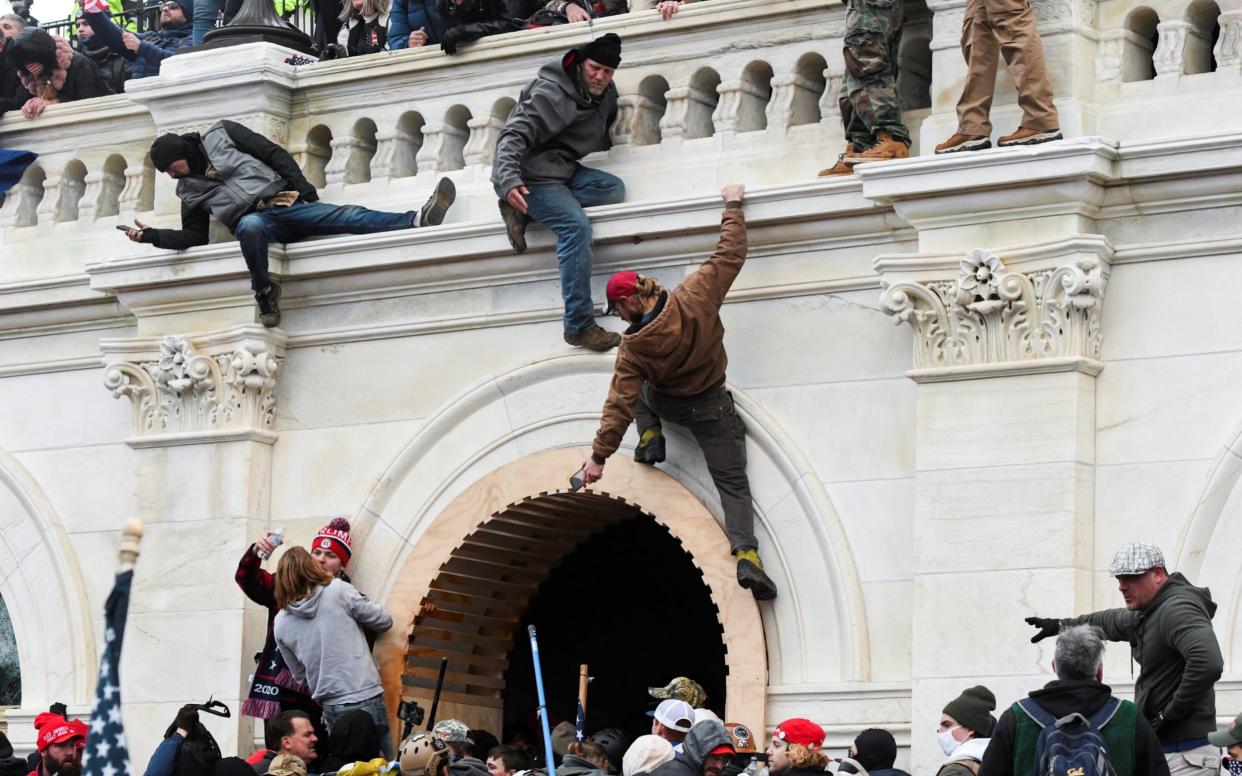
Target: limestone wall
920,487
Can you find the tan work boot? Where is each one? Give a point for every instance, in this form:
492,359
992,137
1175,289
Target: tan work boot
1028,137
594,338
886,147
842,167
960,142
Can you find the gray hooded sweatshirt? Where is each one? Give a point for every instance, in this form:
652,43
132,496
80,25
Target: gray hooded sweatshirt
700,741
551,128
321,642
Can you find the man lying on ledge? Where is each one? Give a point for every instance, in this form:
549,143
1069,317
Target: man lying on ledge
256,189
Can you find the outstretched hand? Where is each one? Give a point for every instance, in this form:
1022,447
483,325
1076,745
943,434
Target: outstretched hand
591,471
734,192
1047,627
136,234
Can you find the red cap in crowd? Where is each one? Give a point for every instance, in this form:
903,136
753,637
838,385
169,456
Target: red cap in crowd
620,285
334,537
55,729
801,731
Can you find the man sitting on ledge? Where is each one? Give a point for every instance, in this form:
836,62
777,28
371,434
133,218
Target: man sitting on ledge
256,189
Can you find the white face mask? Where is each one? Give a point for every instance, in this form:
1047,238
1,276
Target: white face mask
947,742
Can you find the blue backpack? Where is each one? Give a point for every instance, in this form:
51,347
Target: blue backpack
1071,745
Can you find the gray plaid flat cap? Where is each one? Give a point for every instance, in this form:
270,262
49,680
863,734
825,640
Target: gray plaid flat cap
1135,558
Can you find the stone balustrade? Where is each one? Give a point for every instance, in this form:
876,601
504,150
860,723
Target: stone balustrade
726,89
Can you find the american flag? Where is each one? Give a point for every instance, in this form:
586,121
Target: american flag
106,753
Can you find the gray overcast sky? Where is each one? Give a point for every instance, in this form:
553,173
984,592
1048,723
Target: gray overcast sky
45,10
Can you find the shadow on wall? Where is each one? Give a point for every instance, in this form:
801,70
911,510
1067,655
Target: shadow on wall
10,669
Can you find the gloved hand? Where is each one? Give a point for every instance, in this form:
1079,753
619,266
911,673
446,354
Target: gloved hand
1047,627
1157,721
452,37
187,718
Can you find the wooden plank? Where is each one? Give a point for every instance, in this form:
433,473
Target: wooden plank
465,583
483,604
502,534
430,656
461,688
495,680
486,577
481,569
490,547
424,695
429,636
468,618
502,556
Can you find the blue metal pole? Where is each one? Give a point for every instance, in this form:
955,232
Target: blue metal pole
543,703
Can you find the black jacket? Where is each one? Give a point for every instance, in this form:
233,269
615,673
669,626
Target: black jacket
12,94
474,19
701,739
195,221
354,738
113,68
1061,698
82,78
572,765
1173,641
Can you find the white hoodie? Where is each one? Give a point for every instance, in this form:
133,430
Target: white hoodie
970,749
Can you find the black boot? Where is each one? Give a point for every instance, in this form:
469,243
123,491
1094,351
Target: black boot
269,310
650,449
751,576
515,225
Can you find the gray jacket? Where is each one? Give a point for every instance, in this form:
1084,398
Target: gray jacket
325,649
700,741
550,129
1172,640
242,180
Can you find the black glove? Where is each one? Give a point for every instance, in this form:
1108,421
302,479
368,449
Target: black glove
187,718
451,38
308,194
1157,721
1047,627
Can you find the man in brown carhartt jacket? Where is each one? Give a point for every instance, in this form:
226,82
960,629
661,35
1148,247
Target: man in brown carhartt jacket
671,366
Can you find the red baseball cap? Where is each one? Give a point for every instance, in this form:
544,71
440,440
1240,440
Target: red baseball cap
55,729
722,750
620,286
801,731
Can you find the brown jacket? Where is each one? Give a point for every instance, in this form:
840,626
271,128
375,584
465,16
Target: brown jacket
681,352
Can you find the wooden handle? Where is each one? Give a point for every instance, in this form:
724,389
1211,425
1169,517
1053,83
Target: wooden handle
131,536
583,681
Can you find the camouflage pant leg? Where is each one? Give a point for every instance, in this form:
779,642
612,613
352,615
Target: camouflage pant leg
872,32
855,130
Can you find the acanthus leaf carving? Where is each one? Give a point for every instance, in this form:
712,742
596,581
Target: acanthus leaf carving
187,392
992,315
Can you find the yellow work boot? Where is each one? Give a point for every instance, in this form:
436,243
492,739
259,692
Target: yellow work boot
750,574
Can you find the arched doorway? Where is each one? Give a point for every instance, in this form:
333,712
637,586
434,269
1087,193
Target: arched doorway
476,569
602,581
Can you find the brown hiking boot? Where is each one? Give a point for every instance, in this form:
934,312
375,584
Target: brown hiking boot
594,337
515,225
842,167
886,147
1029,137
960,142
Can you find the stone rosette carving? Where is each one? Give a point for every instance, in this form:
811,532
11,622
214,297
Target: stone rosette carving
198,389
992,315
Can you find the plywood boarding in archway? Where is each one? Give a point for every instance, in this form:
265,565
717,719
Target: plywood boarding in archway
646,488
475,603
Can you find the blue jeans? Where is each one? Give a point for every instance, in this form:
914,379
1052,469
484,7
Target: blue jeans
374,707
205,14
306,219
558,206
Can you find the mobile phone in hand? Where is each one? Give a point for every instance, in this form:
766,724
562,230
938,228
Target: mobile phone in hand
127,229
575,482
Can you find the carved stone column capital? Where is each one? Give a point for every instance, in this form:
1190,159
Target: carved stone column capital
193,389
986,318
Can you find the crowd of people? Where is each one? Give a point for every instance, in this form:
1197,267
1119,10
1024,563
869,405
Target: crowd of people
317,689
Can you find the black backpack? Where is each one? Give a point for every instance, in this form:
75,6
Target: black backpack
198,754
1073,744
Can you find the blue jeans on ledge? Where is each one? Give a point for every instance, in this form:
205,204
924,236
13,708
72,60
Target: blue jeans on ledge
558,206
306,219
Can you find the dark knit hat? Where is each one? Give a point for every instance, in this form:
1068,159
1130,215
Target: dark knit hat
606,50
876,749
167,149
972,709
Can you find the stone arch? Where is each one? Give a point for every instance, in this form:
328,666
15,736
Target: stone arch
1206,550
1140,45
43,589
816,631
457,548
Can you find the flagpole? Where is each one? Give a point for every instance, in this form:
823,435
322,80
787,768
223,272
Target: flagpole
131,536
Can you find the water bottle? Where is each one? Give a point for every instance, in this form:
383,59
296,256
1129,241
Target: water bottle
277,538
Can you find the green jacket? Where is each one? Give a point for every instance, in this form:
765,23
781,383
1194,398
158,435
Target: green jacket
1173,642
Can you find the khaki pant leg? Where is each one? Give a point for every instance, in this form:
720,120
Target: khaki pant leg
981,51
1013,22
